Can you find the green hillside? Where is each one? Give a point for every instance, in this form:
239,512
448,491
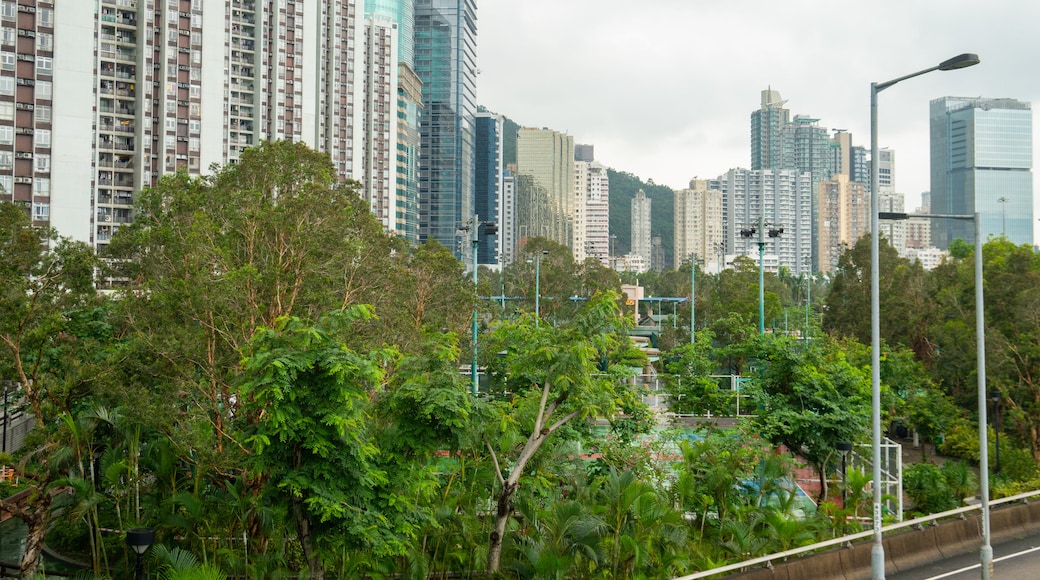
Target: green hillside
623,187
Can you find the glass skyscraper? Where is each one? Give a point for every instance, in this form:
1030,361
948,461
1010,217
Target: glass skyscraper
488,182
982,160
445,62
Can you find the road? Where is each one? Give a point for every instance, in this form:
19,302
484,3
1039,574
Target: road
1018,559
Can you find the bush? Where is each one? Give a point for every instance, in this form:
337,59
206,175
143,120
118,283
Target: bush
928,490
961,441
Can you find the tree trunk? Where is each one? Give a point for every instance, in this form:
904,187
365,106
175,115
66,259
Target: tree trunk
821,470
505,510
38,524
310,551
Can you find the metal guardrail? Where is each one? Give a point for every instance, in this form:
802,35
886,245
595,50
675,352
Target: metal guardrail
929,519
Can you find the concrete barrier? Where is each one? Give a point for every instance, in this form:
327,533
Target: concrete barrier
960,536
911,549
1007,522
855,561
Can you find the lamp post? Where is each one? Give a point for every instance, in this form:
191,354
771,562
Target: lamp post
693,293
1003,215
774,232
808,303
877,552
139,540
844,447
537,284
995,397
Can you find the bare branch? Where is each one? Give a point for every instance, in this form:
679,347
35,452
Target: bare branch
494,459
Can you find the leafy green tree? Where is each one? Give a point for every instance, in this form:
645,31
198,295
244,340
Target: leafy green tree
809,401
311,440
45,293
689,383
546,377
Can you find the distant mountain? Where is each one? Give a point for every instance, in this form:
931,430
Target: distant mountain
623,187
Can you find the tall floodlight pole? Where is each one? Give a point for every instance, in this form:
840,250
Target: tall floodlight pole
877,552
693,293
473,236
761,275
808,302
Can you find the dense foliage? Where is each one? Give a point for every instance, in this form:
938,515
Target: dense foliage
273,384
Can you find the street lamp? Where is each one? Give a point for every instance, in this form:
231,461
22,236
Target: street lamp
774,232
995,397
139,540
844,447
537,284
877,552
1003,215
693,293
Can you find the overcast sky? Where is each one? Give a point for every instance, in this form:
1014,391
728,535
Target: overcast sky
664,89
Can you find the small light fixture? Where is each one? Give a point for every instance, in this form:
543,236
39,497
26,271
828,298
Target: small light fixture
139,540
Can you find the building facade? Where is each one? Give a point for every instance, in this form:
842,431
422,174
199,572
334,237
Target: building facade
781,199
445,61
767,123
487,180
641,239
146,76
547,157
698,225
844,218
982,161
591,209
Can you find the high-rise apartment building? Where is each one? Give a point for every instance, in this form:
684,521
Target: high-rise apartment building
547,157
149,75
487,179
698,224
392,101
981,161
780,198
445,62
591,208
641,239
767,123
844,216
507,234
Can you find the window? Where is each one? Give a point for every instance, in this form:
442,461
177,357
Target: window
45,17
171,124
43,113
44,90
44,65
194,125
6,134
43,163
6,159
6,85
193,143
7,60
8,36
196,56
7,111
44,41
7,183
8,9
171,141
41,211
43,137
42,186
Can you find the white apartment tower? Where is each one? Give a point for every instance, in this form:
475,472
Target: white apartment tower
179,85
380,119
641,239
698,224
591,212
780,198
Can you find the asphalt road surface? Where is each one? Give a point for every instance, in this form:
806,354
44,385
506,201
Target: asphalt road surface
1017,559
